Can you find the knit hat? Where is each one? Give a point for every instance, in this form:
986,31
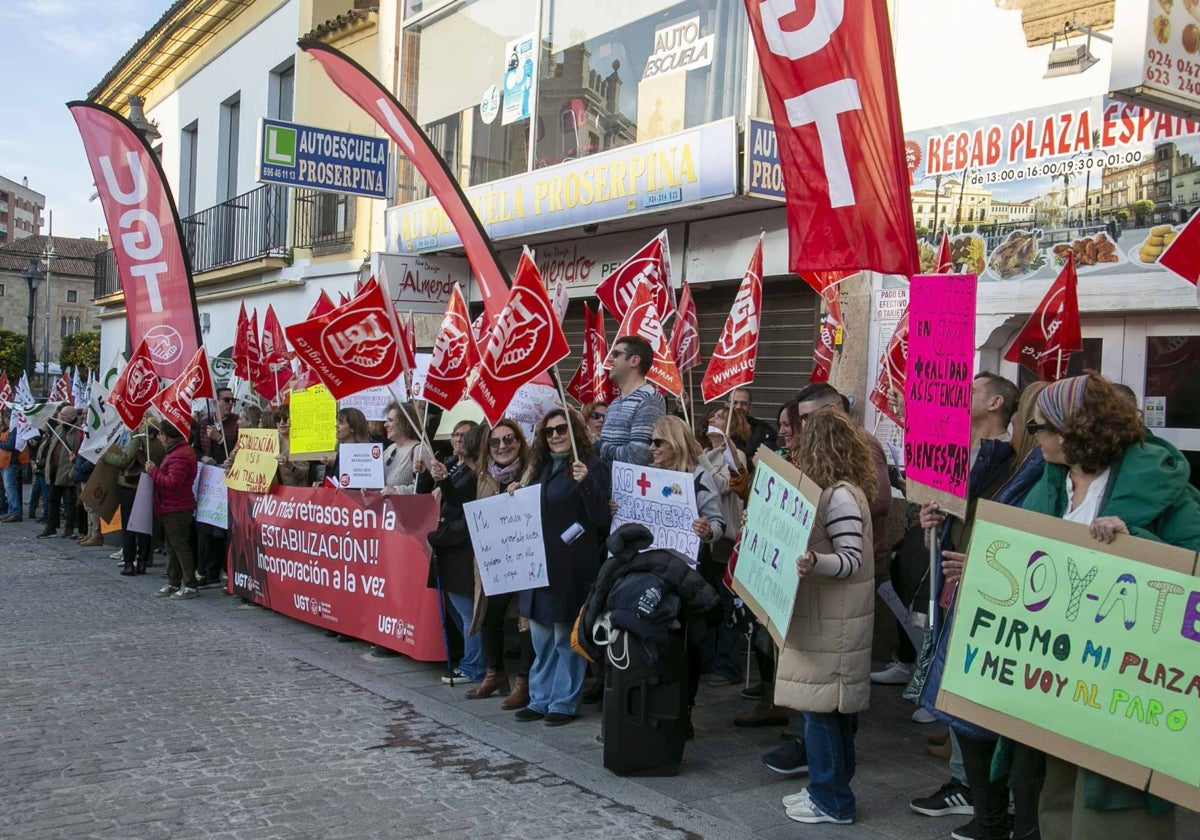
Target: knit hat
1060,400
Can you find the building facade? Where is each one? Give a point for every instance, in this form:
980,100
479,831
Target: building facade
20,210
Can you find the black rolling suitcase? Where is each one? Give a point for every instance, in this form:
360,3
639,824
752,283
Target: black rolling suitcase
645,708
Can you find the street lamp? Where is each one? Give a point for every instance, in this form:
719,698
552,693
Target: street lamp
49,255
33,279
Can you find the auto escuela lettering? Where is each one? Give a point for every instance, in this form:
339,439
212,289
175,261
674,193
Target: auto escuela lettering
337,175
654,170
1115,607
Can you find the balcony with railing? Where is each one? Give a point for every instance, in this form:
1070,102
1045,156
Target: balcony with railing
248,227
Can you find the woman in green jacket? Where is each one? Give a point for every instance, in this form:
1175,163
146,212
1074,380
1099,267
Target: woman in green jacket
135,548
1103,472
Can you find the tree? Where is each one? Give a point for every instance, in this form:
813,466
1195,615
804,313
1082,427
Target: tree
968,228
1142,209
12,354
81,350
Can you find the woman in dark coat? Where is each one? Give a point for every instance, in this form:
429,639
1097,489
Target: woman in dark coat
575,520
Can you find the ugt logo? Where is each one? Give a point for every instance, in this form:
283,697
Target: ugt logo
141,382
521,337
450,347
363,344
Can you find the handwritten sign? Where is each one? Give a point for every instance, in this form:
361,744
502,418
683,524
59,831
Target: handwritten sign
360,465
313,428
212,504
779,520
373,402
506,532
662,500
937,389
1090,651
255,463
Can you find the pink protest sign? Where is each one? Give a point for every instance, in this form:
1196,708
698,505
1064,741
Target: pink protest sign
937,392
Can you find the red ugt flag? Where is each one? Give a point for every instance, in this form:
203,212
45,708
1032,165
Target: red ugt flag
685,335
732,362
174,402
827,335
525,340
651,263
831,83
354,346
6,391
581,386
454,354
276,361
893,370
641,318
1052,333
1183,254
135,387
62,390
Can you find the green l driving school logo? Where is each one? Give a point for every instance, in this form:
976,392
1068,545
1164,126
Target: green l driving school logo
279,145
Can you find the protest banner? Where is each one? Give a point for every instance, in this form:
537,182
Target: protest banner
662,500
506,532
360,465
313,429
255,463
373,401
1085,649
212,505
937,390
351,562
100,490
779,520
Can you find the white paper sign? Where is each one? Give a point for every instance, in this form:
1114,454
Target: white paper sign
1155,412
360,465
662,500
141,514
506,532
420,374
373,402
212,506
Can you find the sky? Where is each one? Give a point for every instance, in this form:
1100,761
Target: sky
55,51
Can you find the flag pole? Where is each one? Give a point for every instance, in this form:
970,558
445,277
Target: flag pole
566,411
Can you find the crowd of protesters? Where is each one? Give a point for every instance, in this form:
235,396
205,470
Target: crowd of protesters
1075,449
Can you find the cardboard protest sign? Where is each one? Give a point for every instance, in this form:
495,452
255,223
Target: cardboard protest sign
662,500
313,429
779,520
100,490
255,463
1086,650
937,390
506,532
108,526
212,504
350,562
360,465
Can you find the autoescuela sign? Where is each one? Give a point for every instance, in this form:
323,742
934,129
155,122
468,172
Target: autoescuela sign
295,155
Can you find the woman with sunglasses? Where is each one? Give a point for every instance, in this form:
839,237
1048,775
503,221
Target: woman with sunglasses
1102,471
575,520
594,413
501,466
404,453
674,447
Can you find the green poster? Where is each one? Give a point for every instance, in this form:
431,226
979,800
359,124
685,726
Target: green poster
1071,635
779,519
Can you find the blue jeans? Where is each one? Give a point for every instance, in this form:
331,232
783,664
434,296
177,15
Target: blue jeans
556,678
12,487
829,739
462,607
40,490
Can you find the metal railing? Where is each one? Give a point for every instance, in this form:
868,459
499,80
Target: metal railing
247,227
324,221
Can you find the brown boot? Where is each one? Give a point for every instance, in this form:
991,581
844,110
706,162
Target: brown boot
518,698
492,681
765,713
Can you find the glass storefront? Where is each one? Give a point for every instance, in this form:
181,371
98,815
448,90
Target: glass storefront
625,71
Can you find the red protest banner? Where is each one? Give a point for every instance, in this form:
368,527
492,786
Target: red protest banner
525,340
276,361
831,82
893,367
641,318
732,362
147,238
1052,333
356,563
454,354
354,346
135,387
174,402
651,263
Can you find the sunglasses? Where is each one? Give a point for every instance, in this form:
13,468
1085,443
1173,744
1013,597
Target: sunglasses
226,399
497,442
597,415
616,354
658,443
554,431
1033,427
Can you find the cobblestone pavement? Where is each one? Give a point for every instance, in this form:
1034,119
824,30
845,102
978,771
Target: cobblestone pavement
127,716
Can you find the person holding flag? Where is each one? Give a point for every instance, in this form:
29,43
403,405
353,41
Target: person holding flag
174,505
64,441
13,461
143,446
629,423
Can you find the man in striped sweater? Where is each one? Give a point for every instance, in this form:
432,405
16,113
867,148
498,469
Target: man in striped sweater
629,423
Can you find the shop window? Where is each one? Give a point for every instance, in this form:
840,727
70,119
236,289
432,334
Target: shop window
627,71
457,59
72,296
1171,365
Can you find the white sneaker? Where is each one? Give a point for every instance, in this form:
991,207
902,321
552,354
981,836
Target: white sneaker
166,591
185,593
897,673
810,812
794,799
922,715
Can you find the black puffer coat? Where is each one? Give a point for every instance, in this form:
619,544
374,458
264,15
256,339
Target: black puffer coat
627,545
